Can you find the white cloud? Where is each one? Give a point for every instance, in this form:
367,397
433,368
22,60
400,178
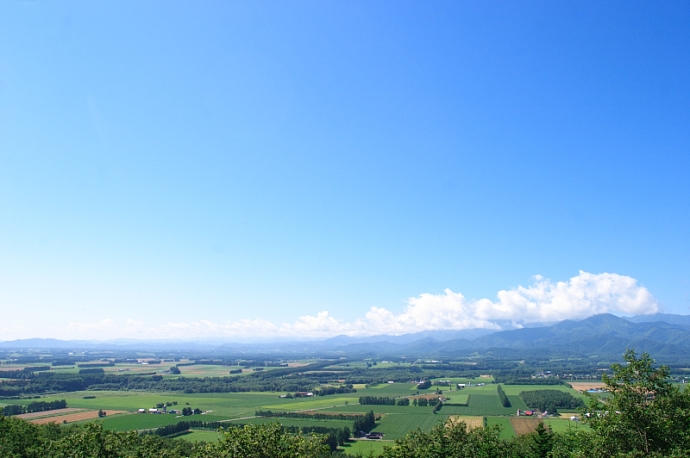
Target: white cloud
544,301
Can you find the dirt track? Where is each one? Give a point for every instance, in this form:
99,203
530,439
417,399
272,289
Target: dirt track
74,417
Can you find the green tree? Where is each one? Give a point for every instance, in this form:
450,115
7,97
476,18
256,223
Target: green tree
264,441
541,441
19,438
644,412
451,440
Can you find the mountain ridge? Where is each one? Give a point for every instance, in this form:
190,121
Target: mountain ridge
597,334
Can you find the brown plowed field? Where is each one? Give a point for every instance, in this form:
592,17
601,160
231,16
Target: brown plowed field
48,413
523,425
74,417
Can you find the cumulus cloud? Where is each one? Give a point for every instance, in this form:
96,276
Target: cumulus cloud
543,301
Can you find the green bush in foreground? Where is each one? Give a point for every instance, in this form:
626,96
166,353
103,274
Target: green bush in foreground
20,439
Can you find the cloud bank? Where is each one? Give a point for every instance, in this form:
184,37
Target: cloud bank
543,301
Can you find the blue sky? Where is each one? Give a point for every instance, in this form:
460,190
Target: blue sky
210,169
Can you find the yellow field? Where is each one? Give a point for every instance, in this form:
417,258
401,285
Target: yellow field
471,422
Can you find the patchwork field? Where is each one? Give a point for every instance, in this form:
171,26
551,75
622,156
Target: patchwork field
515,390
485,403
229,405
478,404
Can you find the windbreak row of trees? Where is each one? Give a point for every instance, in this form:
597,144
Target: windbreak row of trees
377,400
36,406
423,402
505,402
21,374
306,416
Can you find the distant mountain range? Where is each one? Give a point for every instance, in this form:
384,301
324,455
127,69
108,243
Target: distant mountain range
665,336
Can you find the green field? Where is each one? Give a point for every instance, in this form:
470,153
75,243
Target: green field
312,403
148,421
485,402
392,389
200,436
457,398
395,426
229,405
379,409
364,447
507,431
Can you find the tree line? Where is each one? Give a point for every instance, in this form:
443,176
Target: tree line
377,400
306,416
550,400
35,406
505,402
330,390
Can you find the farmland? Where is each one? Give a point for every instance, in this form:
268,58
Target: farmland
395,426
223,399
73,417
